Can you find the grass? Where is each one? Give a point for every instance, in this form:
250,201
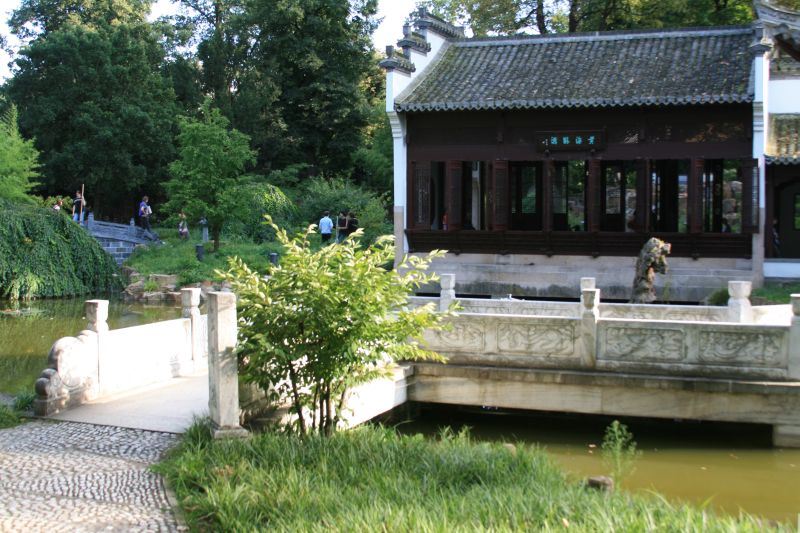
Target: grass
373,479
178,257
775,293
8,417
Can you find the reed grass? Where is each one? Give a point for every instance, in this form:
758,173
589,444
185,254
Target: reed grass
373,479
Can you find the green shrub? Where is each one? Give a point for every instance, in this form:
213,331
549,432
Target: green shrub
718,297
8,417
320,195
43,253
24,400
253,201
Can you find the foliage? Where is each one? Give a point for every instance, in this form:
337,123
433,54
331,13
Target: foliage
372,479
178,257
374,165
8,417
43,253
38,17
23,400
558,16
775,293
18,160
718,297
327,320
253,201
290,74
320,195
207,178
619,451
99,110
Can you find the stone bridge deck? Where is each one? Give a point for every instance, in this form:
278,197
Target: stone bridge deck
119,240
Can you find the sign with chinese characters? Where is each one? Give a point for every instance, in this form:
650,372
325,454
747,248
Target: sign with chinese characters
570,141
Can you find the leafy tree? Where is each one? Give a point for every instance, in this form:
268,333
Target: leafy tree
40,17
18,160
545,16
208,175
100,111
325,321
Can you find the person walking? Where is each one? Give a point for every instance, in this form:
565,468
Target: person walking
352,223
341,226
78,207
183,226
144,213
325,227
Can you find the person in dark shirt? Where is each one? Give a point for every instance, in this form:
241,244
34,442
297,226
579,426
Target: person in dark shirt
352,223
78,207
341,226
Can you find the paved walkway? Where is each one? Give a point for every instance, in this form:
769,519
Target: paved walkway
70,477
168,407
89,469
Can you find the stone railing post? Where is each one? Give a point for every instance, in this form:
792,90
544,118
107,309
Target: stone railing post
739,308
794,339
97,314
590,312
586,283
223,371
448,291
190,301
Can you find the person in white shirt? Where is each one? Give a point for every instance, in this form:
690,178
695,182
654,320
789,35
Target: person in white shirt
326,227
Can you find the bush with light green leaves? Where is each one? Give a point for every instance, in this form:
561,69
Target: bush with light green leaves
326,320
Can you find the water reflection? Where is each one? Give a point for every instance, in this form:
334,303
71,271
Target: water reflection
731,465
28,330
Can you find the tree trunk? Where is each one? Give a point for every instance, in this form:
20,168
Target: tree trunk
541,21
573,16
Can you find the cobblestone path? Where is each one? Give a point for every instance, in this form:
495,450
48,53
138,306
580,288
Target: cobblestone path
72,477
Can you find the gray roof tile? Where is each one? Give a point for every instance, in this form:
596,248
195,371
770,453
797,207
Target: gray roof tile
674,67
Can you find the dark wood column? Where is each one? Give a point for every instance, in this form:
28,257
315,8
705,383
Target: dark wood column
643,194
593,195
694,205
500,193
419,195
548,174
452,194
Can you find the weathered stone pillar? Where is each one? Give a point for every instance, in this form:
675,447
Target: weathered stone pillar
739,308
590,312
448,292
586,283
190,301
223,376
794,339
97,315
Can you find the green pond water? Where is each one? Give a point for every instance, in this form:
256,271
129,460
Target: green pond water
730,466
29,329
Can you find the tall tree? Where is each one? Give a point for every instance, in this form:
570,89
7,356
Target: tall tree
505,17
100,111
18,160
313,56
39,17
208,174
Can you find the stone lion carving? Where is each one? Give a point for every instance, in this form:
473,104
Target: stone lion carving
652,259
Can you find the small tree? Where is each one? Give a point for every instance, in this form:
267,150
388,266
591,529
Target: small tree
210,170
327,320
18,160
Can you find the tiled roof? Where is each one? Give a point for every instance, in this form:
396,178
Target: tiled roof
784,140
674,67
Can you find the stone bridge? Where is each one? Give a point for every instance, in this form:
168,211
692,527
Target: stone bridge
119,240
737,363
